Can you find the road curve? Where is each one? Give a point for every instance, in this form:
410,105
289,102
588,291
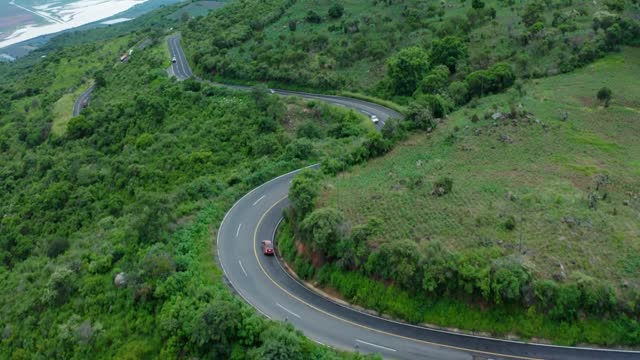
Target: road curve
82,101
265,285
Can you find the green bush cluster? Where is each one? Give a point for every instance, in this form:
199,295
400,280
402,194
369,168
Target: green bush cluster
437,286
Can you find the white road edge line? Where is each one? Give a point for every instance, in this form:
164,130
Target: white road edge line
238,231
287,310
257,201
377,346
242,267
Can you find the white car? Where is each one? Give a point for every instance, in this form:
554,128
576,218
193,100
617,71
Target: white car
174,60
272,91
374,119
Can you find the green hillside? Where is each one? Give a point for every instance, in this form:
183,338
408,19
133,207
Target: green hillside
525,200
323,44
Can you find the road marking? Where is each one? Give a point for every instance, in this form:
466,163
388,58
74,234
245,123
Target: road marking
287,310
377,346
238,231
257,201
255,253
242,267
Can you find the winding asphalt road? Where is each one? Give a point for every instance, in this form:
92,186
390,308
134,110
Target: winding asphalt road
180,68
265,284
82,101
268,287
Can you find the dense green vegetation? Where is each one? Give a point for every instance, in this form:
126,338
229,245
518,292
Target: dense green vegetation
320,46
525,202
107,224
107,219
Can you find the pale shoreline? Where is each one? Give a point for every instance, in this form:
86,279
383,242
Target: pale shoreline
68,16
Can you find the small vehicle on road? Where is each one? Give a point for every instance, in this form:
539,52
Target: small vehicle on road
374,119
267,247
174,60
272,91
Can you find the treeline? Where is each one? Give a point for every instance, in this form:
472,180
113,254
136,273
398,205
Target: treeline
106,229
487,275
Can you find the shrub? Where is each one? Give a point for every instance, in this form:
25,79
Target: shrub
313,17
420,116
393,130
443,186
299,149
510,223
309,129
438,104
509,279
604,95
497,78
336,11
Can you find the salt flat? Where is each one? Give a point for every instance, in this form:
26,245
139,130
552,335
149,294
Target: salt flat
54,16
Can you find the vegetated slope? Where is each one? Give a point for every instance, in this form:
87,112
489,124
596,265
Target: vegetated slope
518,214
106,230
566,183
328,44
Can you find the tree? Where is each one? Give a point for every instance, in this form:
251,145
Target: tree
398,261
303,192
436,81
406,68
336,11
323,229
604,95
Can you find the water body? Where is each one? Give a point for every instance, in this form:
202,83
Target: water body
37,18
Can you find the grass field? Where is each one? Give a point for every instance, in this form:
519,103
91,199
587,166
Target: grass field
543,173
